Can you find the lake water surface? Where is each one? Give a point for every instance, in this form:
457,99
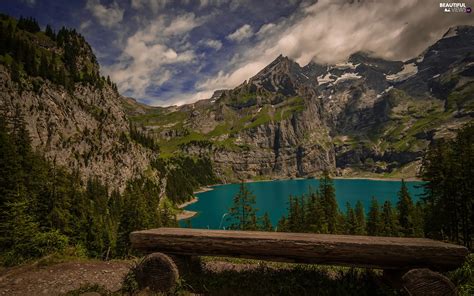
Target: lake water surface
272,197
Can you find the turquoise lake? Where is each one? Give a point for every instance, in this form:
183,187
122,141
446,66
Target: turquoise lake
272,197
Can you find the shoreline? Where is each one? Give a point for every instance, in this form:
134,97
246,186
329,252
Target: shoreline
190,202
184,215
204,189
409,179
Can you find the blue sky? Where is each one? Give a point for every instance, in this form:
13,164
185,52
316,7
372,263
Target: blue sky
165,52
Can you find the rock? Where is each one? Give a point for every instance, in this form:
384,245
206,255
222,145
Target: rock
78,130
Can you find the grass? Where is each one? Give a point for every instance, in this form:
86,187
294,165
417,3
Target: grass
462,98
233,123
463,277
268,278
255,277
158,118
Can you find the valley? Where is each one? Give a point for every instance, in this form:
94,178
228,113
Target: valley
365,146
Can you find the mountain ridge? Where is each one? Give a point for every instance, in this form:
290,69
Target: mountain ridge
364,116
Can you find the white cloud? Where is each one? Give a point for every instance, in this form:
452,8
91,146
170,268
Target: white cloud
241,33
154,5
106,16
228,80
84,25
147,54
182,24
330,31
212,43
266,28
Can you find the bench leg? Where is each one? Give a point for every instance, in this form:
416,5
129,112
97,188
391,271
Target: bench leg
187,264
420,282
426,282
157,272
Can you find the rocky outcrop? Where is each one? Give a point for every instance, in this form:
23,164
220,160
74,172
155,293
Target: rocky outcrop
85,129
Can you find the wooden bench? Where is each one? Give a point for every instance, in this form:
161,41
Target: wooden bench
407,262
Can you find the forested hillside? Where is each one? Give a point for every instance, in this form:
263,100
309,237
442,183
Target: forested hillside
75,173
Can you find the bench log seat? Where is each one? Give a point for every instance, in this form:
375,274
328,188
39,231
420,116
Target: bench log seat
395,255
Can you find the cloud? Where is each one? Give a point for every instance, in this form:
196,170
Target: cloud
154,5
30,3
331,30
229,80
241,33
212,43
162,49
84,25
266,28
107,16
230,4
150,55
182,24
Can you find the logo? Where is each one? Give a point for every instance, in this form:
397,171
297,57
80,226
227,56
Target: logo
449,7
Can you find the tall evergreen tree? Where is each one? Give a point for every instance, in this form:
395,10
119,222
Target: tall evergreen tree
448,175
389,221
329,203
266,224
49,32
373,218
350,221
405,211
315,215
243,211
360,218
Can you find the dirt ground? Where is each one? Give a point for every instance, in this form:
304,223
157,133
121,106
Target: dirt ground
61,278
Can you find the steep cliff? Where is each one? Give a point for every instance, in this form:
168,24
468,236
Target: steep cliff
74,116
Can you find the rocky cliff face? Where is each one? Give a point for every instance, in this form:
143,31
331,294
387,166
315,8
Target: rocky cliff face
366,115
85,130
75,117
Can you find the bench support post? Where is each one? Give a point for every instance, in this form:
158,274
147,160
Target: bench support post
423,281
419,282
157,272
187,264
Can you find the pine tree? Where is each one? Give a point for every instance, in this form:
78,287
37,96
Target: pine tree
405,211
242,212
373,218
28,24
10,166
389,221
329,203
315,215
49,32
18,231
350,221
448,175
360,218
266,224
